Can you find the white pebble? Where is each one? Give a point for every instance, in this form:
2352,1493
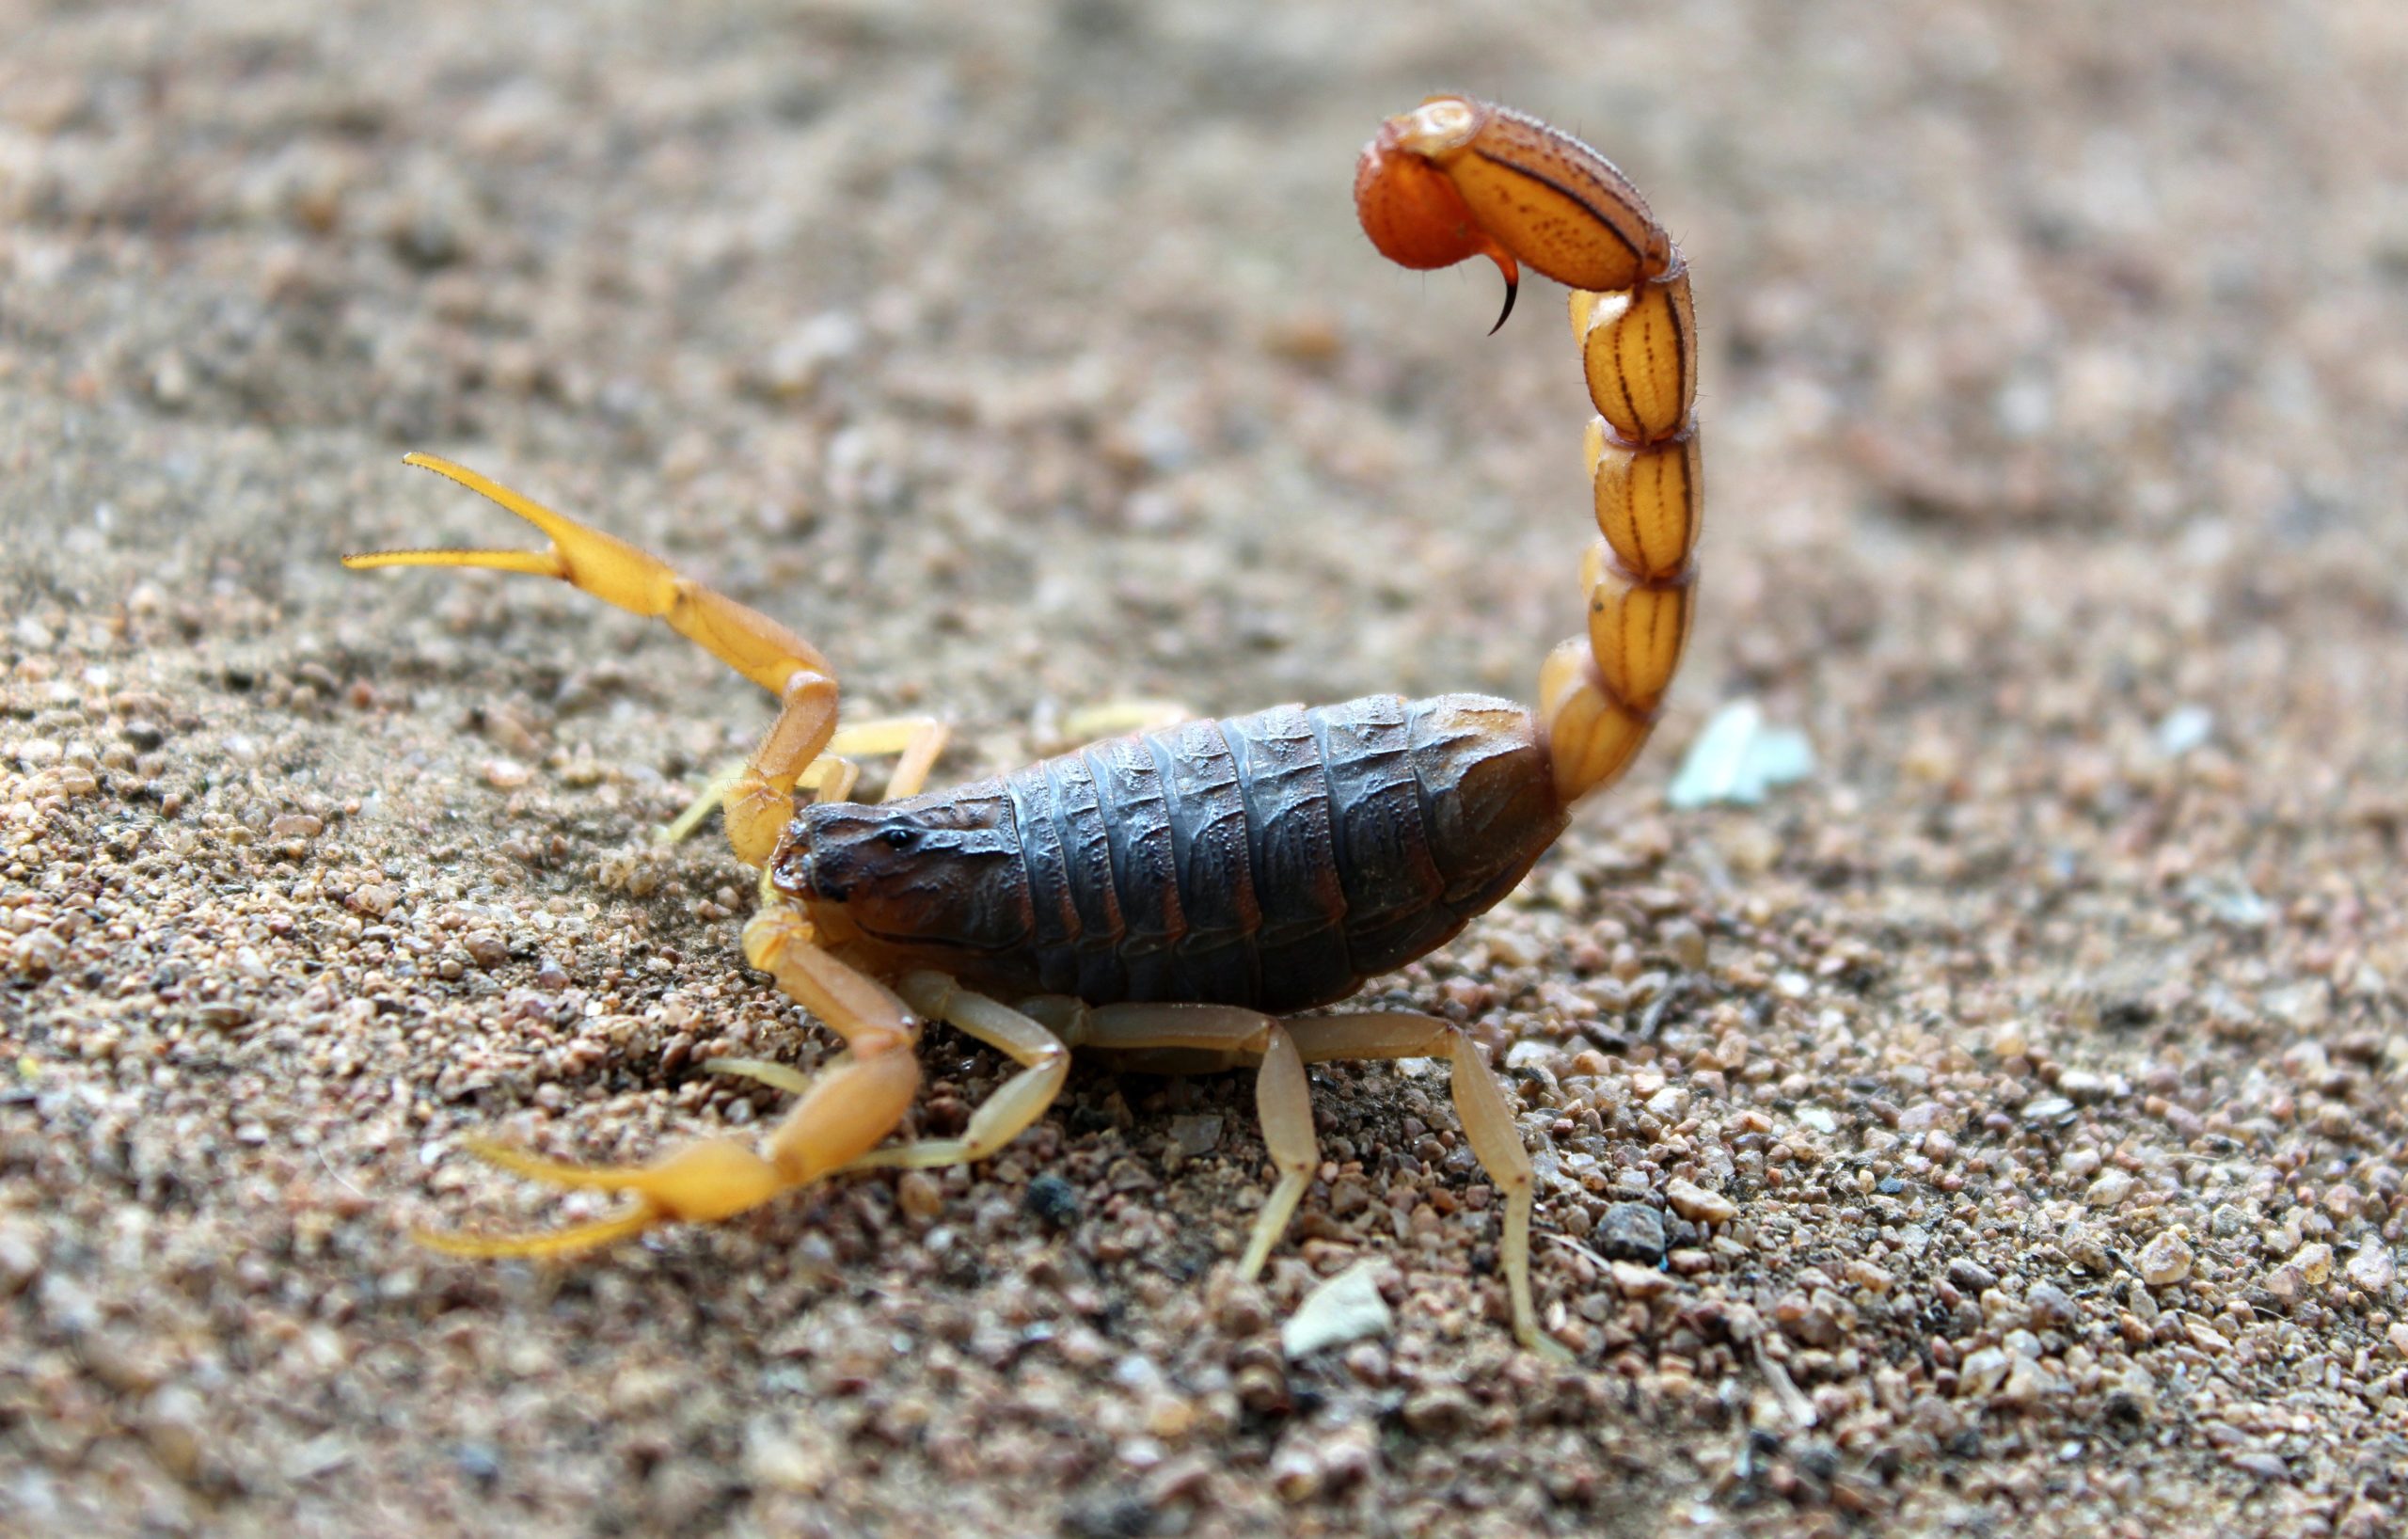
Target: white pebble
2109,1190
2373,1268
1698,1205
2166,1260
1983,1371
1347,1307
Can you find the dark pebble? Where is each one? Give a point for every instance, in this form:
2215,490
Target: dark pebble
478,1462
1109,1515
2051,1304
1053,1199
1970,1276
1631,1231
2125,1406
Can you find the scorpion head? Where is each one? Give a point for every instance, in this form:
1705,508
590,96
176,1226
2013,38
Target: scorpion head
938,871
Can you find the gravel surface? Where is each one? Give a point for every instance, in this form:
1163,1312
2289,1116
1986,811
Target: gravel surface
2000,1130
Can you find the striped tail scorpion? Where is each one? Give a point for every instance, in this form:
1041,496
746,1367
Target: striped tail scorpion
1175,898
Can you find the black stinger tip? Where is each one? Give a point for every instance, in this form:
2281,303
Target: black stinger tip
1512,287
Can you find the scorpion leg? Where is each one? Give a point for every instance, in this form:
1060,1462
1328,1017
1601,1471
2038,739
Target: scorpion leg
852,1104
762,797
1044,1057
918,739
1285,1047
1119,718
1487,1118
1282,1097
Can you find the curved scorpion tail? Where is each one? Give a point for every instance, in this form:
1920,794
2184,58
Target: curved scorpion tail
1455,178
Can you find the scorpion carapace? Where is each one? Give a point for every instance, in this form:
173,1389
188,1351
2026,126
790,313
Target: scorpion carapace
1168,897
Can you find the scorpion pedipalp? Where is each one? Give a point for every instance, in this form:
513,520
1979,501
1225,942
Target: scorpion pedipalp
761,797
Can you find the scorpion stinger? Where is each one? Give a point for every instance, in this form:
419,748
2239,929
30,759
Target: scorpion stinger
1454,179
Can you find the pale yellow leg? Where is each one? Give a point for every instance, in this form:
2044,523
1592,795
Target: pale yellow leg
761,799
1115,718
920,740
1044,1061
829,778
723,780
777,1076
1282,1098
843,1112
1284,1103
1488,1125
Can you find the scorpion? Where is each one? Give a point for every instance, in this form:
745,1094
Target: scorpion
1175,898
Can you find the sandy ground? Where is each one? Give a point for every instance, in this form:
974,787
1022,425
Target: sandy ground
2037,1065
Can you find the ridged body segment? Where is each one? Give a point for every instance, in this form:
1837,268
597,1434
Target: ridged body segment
1274,861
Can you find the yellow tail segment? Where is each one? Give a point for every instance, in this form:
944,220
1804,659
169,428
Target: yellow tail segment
1455,178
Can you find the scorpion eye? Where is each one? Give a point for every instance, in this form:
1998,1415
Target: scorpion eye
900,838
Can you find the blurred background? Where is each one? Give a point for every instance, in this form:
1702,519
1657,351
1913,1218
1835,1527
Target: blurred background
1027,356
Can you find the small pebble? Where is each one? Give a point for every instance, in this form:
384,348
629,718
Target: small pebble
1346,1307
1738,759
1685,942
2083,1246
1051,1200
2286,1286
21,1254
2081,1087
1195,1136
1981,1373
1630,1231
1632,1280
2050,1306
2028,1382
2373,1268
2048,1111
2315,1263
1695,1203
2166,1260
1436,1412
919,1196
2184,728
2109,1190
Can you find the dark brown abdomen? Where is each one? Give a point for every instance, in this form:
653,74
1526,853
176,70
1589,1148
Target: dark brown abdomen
1277,860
